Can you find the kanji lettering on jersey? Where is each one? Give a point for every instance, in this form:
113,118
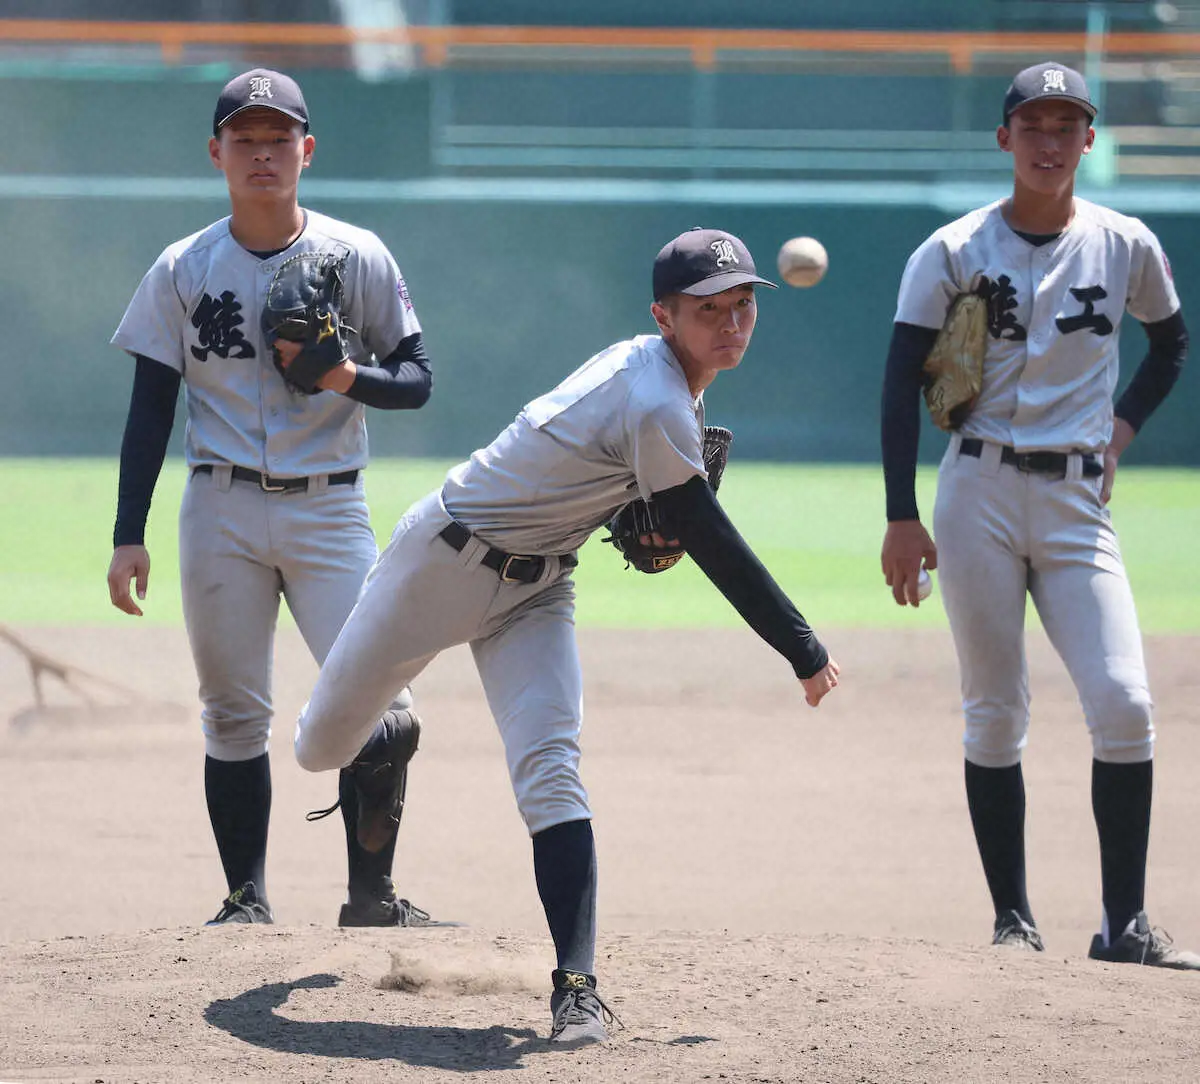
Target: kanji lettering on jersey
1089,318
219,320
1001,298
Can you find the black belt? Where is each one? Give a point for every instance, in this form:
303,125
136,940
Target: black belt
279,485
512,568
1035,462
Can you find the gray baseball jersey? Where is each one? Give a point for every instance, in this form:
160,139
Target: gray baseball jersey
623,424
1054,311
1054,314
241,547
197,310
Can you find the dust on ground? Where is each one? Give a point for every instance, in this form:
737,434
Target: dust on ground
785,894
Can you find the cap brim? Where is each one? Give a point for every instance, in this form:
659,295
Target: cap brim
261,105
1083,104
727,280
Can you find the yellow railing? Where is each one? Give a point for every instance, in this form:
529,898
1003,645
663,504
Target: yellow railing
702,45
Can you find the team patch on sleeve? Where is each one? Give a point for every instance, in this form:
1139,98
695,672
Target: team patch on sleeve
402,290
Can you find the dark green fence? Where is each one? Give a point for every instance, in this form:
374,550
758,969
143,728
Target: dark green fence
513,293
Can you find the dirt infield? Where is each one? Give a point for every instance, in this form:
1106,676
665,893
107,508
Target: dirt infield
786,894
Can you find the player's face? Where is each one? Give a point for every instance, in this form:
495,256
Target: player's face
710,332
1046,140
261,152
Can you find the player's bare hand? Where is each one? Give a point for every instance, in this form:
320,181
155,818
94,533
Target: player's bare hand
658,542
1110,475
822,682
906,548
128,564
339,379
1122,436
286,351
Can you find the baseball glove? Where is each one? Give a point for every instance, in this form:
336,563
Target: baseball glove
640,518
304,306
954,368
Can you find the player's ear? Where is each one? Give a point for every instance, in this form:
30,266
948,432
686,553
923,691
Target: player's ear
214,152
662,316
1090,142
1002,138
309,144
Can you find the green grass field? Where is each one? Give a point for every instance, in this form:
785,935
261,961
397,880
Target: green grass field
818,528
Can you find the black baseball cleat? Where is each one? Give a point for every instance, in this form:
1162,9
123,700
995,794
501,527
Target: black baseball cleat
243,906
1140,944
579,1017
1012,931
380,776
389,911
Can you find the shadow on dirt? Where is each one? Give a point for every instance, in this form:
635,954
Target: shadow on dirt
252,1017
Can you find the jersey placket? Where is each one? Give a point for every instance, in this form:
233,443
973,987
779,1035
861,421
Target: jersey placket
272,392
1038,287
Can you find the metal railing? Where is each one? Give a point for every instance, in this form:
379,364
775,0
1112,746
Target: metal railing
438,45
1144,151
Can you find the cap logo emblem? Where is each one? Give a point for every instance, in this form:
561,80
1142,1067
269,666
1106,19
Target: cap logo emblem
260,87
1054,79
724,252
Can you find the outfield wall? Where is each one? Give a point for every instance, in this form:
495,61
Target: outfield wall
514,285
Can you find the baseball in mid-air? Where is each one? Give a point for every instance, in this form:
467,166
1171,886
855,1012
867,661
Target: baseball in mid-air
924,585
802,262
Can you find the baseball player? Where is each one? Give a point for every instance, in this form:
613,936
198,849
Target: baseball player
274,503
1023,489
487,560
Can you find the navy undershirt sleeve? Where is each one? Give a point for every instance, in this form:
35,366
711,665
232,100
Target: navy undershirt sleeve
1159,370
901,416
402,381
144,446
691,513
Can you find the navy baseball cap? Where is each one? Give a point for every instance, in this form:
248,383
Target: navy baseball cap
260,89
1048,81
703,262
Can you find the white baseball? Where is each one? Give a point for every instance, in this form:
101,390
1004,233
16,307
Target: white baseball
802,262
924,585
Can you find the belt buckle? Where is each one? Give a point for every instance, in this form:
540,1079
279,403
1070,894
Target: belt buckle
1024,462
262,481
504,568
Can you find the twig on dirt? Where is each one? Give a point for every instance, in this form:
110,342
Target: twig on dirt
73,677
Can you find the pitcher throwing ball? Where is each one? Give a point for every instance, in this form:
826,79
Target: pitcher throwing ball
276,447
487,560
1023,489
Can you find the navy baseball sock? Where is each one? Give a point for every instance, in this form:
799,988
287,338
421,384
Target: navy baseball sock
564,864
996,799
1121,795
239,807
368,872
